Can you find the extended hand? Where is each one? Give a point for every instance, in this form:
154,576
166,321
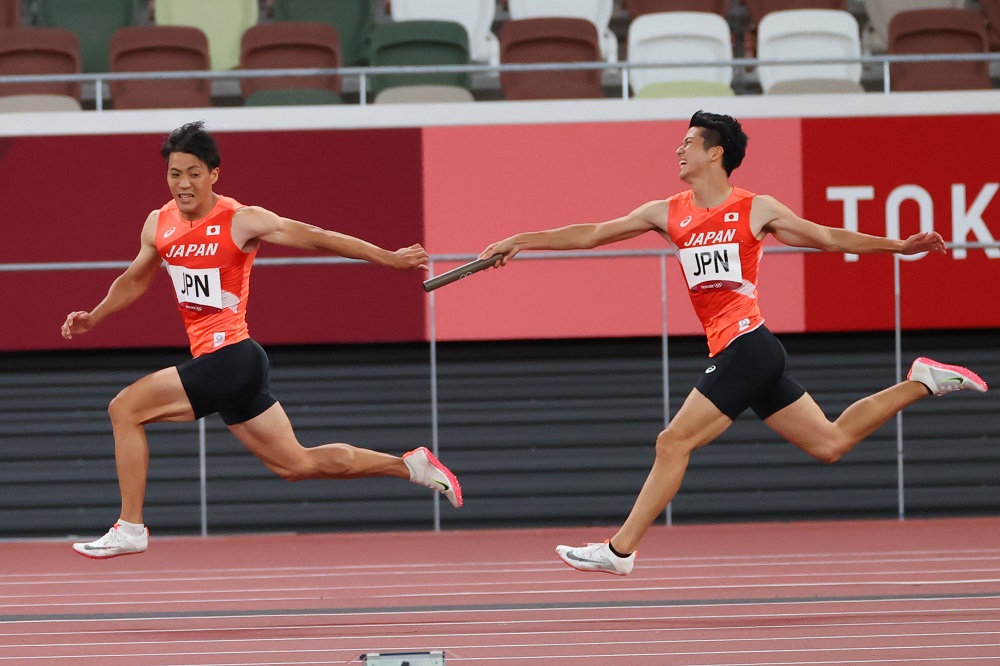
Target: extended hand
76,323
928,241
408,258
505,247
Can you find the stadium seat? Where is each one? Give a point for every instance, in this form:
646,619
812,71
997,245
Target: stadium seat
224,24
809,33
39,51
991,8
550,40
758,9
597,12
92,21
880,13
938,31
287,45
10,14
637,8
419,43
160,48
352,19
475,15
680,37
35,103
423,94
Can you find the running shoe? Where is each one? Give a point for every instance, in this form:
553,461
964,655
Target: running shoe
940,378
427,470
114,544
596,557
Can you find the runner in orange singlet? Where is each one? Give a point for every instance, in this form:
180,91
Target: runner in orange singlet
208,243
717,230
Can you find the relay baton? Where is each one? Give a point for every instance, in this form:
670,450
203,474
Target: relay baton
465,270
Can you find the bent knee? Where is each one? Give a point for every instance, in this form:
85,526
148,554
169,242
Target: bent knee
828,450
120,409
673,442
298,470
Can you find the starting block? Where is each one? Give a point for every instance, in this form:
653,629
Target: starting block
435,658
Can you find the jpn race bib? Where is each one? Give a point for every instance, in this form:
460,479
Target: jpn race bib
712,266
198,286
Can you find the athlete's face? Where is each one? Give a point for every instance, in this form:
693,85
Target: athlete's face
190,181
692,156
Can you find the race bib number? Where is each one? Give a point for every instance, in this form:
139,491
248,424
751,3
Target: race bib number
712,266
198,286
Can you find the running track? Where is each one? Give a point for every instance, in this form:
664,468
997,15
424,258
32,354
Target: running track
880,592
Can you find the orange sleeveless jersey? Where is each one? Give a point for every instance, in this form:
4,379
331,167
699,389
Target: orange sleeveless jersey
211,276
720,258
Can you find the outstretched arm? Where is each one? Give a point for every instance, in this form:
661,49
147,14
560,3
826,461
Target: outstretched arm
770,216
648,217
127,287
254,224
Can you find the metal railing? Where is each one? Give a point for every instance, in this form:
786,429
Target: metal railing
365,73
435,260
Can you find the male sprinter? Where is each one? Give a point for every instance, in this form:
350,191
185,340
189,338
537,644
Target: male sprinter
208,243
713,220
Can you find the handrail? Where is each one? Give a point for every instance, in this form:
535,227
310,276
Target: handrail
55,266
364,72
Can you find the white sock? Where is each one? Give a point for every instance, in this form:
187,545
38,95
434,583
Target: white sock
131,529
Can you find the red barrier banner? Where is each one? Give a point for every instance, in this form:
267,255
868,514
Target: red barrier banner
896,177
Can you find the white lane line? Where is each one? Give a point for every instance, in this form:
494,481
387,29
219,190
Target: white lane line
492,593
450,574
510,634
727,562
492,585
681,588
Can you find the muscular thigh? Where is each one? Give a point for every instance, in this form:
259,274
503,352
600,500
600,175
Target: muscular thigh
157,397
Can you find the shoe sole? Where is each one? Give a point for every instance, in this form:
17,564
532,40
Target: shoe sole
456,487
106,557
957,369
576,568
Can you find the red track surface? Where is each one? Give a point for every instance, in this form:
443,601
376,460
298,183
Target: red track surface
914,592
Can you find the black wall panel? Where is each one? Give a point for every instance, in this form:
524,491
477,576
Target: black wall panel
539,432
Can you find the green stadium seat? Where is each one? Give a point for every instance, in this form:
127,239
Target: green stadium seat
292,97
92,21
352,19
419,43
224,24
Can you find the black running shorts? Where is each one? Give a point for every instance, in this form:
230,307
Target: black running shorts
232,381
750,372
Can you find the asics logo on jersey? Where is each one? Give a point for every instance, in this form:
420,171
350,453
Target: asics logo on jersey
686,221
169,232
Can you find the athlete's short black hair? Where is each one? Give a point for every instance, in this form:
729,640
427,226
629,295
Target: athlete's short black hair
725,131
193,139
